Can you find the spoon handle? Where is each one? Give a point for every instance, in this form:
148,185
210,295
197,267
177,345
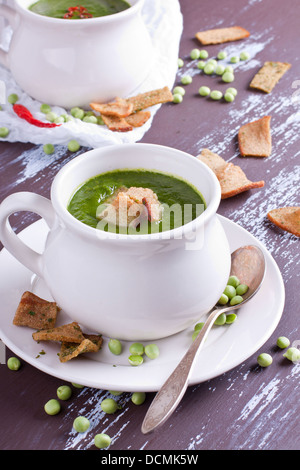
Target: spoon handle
172,391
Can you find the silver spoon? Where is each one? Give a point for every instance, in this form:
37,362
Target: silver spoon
248,264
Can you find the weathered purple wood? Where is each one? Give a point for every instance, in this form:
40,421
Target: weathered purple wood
248,407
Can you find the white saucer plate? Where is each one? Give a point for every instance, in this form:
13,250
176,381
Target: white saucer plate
225,348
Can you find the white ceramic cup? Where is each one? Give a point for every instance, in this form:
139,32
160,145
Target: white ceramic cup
75,62
131,287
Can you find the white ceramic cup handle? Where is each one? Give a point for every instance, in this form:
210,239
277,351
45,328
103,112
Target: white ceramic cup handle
10,15
24,201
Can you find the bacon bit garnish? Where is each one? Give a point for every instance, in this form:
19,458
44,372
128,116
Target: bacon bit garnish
77,12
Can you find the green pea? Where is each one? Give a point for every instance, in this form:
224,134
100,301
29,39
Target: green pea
115,346
109,405
229,97
203,54
201,64
232,90
229,68
135,359
81,424
90,119
138,398
221,319
234,59
186,80
59,120
77,113
216,95
219,70
115,393
236,300
77,385
204,91
152,351
177,98
209,69
230,318
222,55
52,407
292,354
233,281
242,289
45,108
180,90
212,62
14,363
180,63
4,132
227,77
102,441
244,55
283,342
64,392
100,121
51,116
223,299
199,326
73,146
264,360
137,349
48,149
13,98
229,291
195,54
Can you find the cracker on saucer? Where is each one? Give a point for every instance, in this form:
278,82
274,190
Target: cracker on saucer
70,333
286,218
35,312
269,75
221,35
90,343
254,138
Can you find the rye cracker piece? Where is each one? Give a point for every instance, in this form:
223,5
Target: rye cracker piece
70,333
35,312
150,98
91,343
286,218
213,160
255,138
119,108
138,119
233,181
116,124
221,35
268,76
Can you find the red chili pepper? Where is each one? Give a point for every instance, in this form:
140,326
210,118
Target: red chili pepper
79,11
25,114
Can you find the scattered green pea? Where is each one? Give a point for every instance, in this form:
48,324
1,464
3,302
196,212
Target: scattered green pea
221,319
216,95
13,98
201,64
283,342
90,119
152,351
109,405
102,441
100,121
223,299
77,385
137,349
135,359
14,363
233,281
45,108
212,62
264,360
115,346
59,120
4,132
229,291
115,392
73,146
219,70
177,98
77,113
186,80
227,77
234,59
292,354
244,55
203,54
48,149
230,318
242,289
232,90
195,54
180,90
222,55
81,424
209,69
229,68
52,407
229,97
180,63
138,398
199,326
204,91
64,392
236,300
51,116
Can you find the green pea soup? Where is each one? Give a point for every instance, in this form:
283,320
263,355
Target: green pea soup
181,201
95,8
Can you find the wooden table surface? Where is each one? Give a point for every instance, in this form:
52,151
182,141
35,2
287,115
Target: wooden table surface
248,407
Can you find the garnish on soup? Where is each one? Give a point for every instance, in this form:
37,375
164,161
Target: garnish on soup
83,9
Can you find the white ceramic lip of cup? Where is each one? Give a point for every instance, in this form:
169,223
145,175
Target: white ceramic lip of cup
138,287
75,62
